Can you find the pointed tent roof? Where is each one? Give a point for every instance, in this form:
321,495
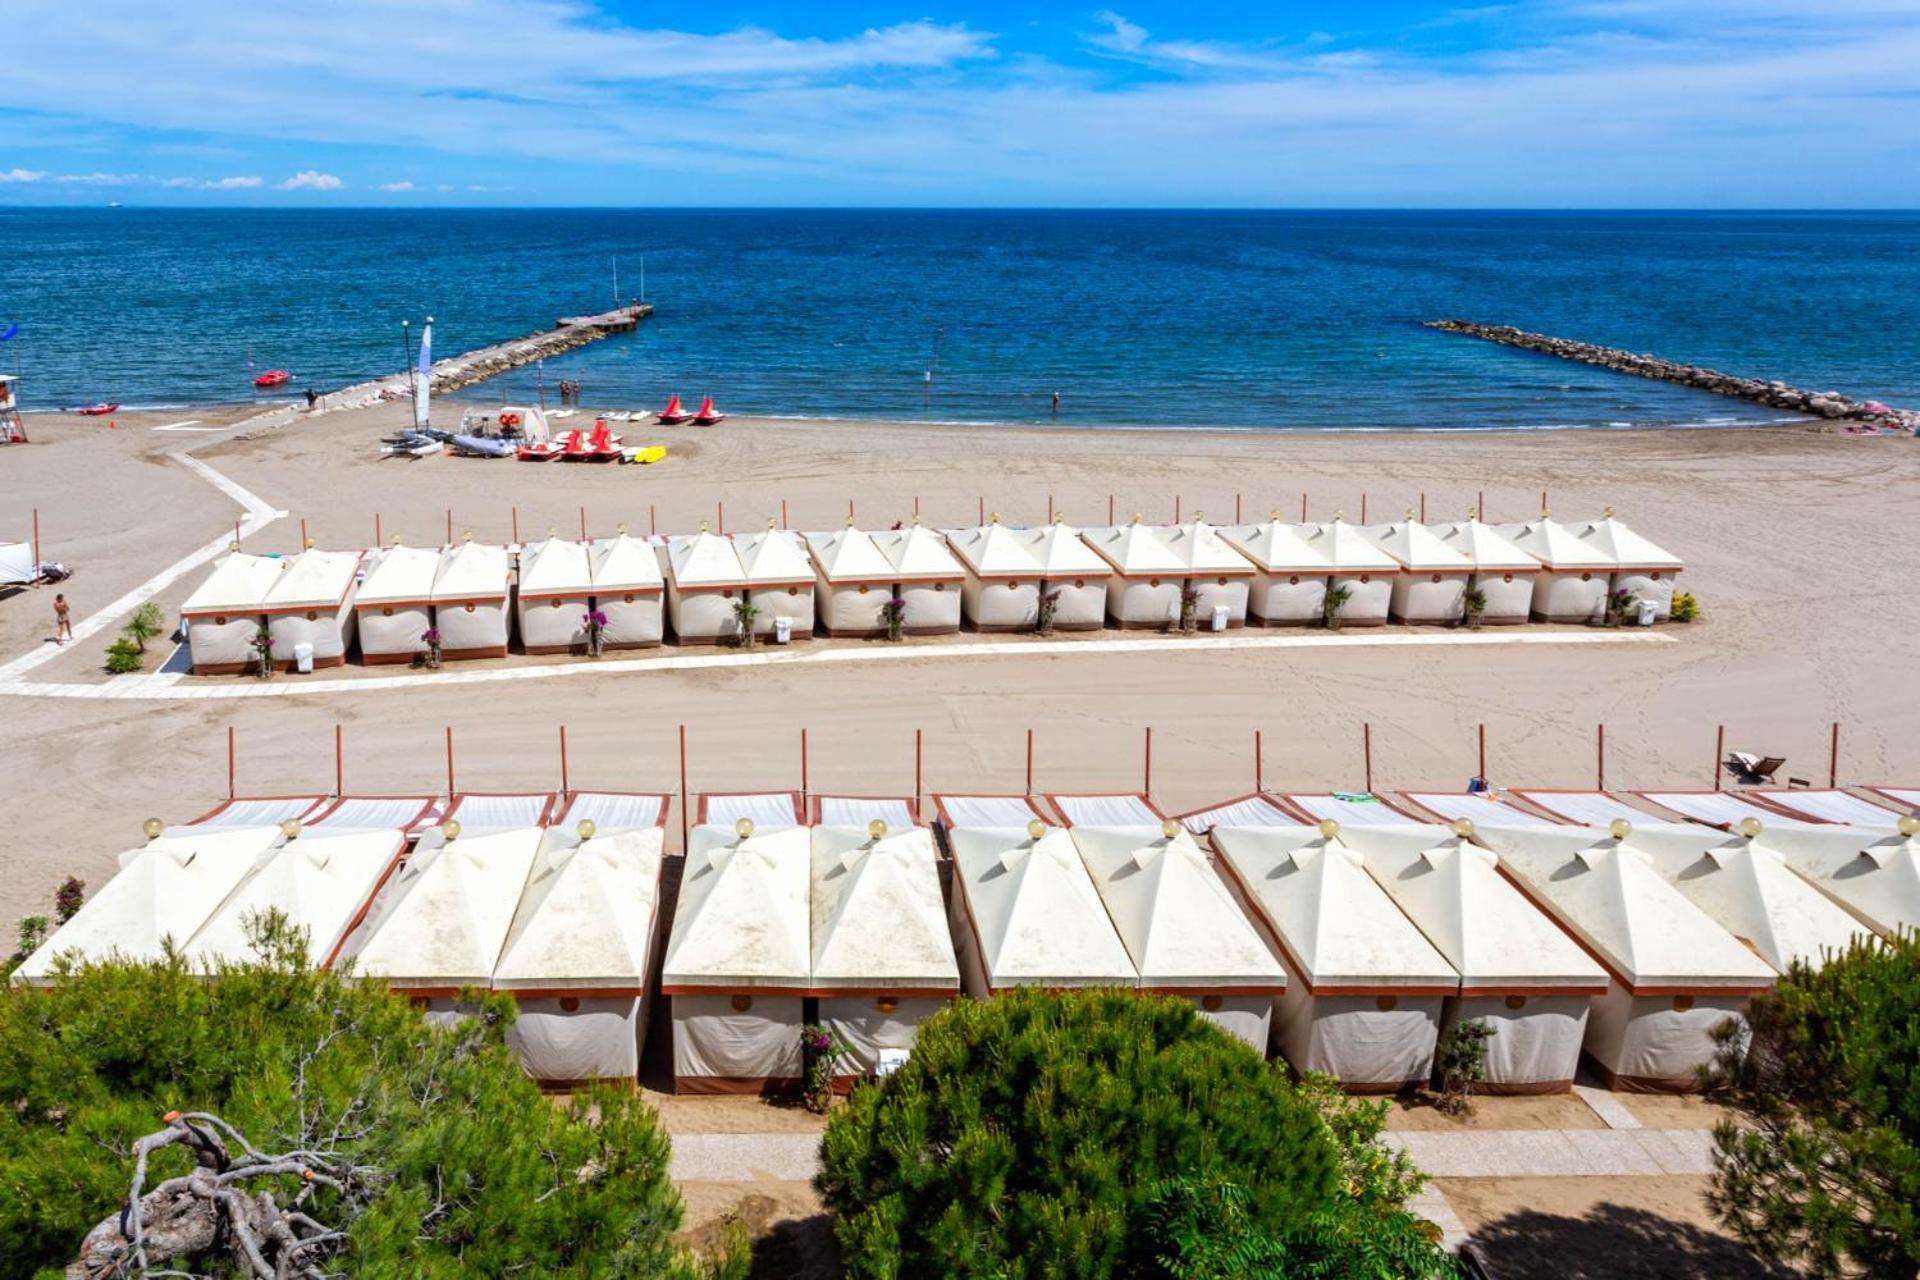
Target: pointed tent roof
1555,545
773,557
585,921
320,881
1608,895
1035,912
441,921
1484,546
993,550
1484,926
398,573
1875,874
849,556
1748,890
919,554
1176,917
1199,547
624,563
877,917
704,559
1418,547
1346,548
741,921
165,889
313,579
1134,549
471,571
1279,547
238,584
1338,928
1627,549
555,567
1060,549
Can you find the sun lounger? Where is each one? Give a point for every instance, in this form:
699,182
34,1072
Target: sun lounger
1448,806
767,810
1583,808
1347,808
897,812
987,811
377,813
1255,810
1751,768
487,810
614,811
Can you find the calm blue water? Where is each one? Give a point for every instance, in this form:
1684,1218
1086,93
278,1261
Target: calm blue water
1258,319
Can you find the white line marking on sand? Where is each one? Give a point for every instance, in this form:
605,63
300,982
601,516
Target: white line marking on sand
191,424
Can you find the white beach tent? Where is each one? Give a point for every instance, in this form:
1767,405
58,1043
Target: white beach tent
1640,568
738,964
1582,808
394,605
1072,572
1025,913
629,590
165,889
1366,989
1872,872
705,583
1432,583
1002,590
854,582
1218,574
931,581
779,579
439,924
1448,806
1144,577
1503,574
766,810
883,958
556,592
1574,574
1290,574
1182,927
578,953
225,613
470,591
1359,567
322,881
1677,975
311,603
1255,810
1520,975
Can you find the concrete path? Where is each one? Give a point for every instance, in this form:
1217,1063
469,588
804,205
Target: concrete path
1557,1153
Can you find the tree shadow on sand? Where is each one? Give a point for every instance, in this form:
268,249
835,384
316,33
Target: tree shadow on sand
1614,1242
797,1249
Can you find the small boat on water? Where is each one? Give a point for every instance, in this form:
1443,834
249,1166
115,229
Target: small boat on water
273,378
100,410
673,415
707,414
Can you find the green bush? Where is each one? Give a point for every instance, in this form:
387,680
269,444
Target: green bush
1037,1134
144,625
1824,1170
478,1174
123,656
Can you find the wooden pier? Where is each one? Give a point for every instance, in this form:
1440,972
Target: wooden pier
567,334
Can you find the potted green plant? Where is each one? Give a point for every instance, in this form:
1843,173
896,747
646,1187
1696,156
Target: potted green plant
1044,610
821,1048
1620,605
1332,603
1460,1061
1189,608
1473,605
745,614
262,646
893,616
1685,607
143,626
431,638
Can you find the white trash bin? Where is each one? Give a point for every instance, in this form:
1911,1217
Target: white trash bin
1219,617
782,630
1648,610
303,659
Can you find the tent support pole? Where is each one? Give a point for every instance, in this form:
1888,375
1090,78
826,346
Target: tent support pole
1109,509
1259,762
1029,762
1480,508
720,518
1146,780
683,789
1833,757
1363,508
1719,753
1236,508
1482,775
1303,508
449,526
1366,751
583,525
1049,508
917,788
516,522
303,533
36,540
450,788
653,525
376,528
339,765
1423,506
564,789
1600,758
783,513
229,762
805,791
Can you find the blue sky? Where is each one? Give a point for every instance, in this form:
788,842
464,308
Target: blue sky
1536,103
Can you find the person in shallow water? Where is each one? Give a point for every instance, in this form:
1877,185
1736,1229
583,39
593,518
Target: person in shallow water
1056,404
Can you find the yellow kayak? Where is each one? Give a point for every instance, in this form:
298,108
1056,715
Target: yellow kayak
650,453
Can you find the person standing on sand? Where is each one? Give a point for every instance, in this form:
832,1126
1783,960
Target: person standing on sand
312,398
62,622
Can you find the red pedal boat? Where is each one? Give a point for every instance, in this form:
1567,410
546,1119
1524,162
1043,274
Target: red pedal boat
100,410
673,415
539,451
708,415
273,378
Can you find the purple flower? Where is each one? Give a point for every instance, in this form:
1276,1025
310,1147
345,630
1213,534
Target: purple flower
430,636
593,618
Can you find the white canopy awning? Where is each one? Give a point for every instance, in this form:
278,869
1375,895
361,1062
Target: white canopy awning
1248,811
1357,809
878,920
612,811
986,811
624,563
767,810
471,571
741,921
313,579
398,574
1586,808
555,567
585,920
1034,910
860,811
1107,810
320,881
1476,808
238,584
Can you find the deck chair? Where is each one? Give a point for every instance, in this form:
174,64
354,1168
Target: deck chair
1752,770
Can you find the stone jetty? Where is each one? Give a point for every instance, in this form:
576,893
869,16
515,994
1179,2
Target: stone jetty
1775,395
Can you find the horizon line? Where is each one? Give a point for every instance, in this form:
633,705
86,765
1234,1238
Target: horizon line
402,207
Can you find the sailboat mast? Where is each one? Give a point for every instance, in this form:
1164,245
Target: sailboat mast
406,348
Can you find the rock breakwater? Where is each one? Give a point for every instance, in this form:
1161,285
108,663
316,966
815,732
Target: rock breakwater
1775,395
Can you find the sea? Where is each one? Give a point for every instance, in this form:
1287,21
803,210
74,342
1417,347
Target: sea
1261,320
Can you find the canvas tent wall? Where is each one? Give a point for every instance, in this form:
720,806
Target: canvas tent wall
311,603
854,581
779,580
1144,577
1431,586
394,605
556,593
470,591
1365,989
1520,975
1219,576
1255,810
1359,567
1677,975
1574,575
577,956
738,963
164,890
629,590
766,810
322,881
1640,568
1024,912
1002,588
1503,574
1116,809
225,613
1349,808
1450,805
898,812
705,583
1182,927
1289,587
1072,572
931,580
1873,873
882,956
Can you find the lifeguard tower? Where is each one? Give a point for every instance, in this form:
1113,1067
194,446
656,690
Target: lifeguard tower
12,430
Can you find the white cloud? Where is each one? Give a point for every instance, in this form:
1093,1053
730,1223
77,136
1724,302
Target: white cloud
396,186
1121,36
22,175
244,183
312,180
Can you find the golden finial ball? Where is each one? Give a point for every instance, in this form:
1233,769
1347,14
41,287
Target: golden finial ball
1619,828
877,829
586,829
1329,829
152,827
1036,829
743,828
450,830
